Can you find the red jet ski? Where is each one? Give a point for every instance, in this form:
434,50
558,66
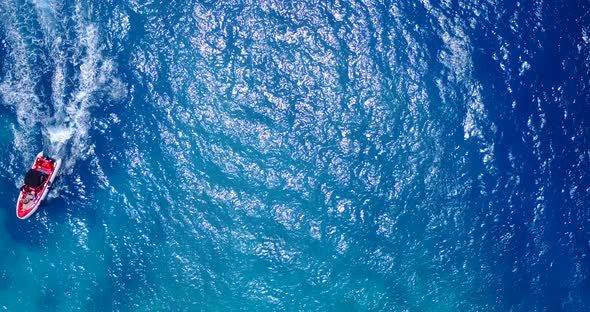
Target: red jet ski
37,183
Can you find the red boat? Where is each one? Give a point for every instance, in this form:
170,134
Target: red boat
37,182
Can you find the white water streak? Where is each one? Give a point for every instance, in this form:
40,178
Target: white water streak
65,126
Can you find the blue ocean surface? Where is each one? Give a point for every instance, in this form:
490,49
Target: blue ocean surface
297,155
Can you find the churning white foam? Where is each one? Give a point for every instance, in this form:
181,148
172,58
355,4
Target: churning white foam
79,72
58,137
17,88
72,118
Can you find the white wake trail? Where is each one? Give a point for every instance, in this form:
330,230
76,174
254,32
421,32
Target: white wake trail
80,74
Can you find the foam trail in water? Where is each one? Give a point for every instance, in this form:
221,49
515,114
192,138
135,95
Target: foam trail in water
58,138
46,16
17,88
72,122
78,70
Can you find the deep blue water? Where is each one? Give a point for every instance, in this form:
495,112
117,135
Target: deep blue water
297,155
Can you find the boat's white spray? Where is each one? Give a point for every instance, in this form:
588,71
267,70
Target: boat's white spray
79,71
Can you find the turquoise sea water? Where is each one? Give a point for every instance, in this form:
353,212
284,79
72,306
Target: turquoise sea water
297,155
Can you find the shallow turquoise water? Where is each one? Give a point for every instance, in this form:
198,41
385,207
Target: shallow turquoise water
279,155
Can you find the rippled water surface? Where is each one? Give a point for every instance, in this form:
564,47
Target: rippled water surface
297,155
